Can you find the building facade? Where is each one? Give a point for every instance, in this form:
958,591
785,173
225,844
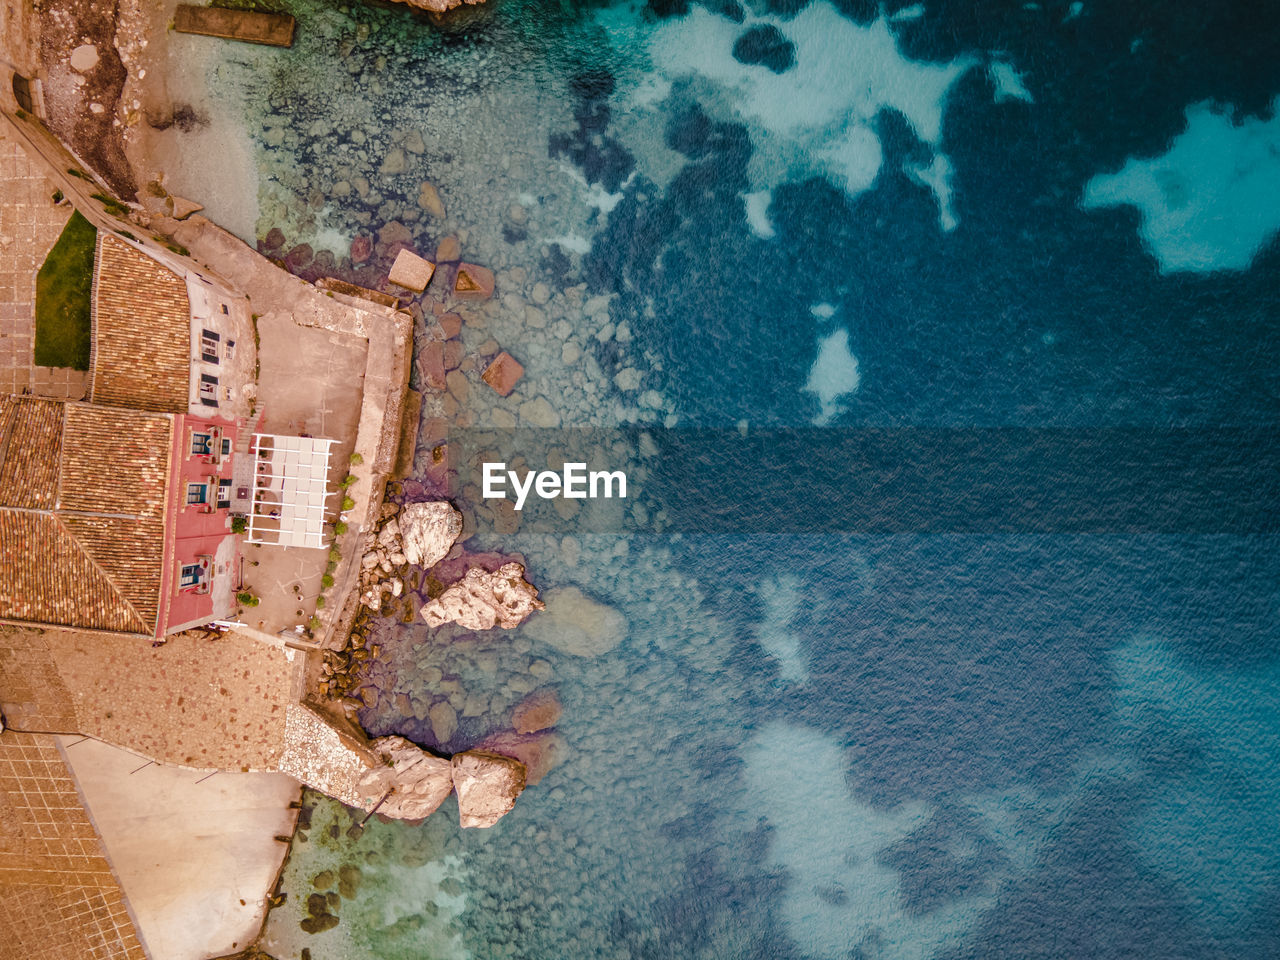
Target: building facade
205,559
166,337
113,519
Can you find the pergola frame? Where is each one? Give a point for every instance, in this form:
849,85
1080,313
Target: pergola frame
290,489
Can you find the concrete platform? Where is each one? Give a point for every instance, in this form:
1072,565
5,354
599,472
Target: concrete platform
272,29
196,855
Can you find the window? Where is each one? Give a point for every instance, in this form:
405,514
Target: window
209,346
192,574
226,447
224,309
224,493
197,493
200,444
231,349
208,390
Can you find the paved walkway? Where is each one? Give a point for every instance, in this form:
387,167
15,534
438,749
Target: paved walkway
29,226
230,702
60,897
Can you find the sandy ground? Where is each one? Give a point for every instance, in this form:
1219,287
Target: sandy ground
183,134
195,854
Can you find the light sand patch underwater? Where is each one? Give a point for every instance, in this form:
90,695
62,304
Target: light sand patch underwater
1210,828
817,116
1212,200
834,374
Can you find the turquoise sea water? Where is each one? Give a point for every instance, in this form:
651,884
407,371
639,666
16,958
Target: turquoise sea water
866,700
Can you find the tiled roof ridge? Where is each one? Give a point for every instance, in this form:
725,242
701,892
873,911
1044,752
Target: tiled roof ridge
94,594
141,329
28,425
75,525
93,313
105,576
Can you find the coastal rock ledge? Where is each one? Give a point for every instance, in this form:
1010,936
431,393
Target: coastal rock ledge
482,600
413,783
437,6
417,781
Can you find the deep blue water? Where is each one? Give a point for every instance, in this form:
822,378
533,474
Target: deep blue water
874,701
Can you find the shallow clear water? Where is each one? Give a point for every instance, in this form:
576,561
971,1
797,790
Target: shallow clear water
969,713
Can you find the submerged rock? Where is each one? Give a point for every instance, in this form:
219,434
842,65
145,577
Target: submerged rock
444,721
429,200
429,531
503,374
576,624
361,248
482,600
318,923
418,781
411,271
539,752
538,711
765,46
487,786
473,282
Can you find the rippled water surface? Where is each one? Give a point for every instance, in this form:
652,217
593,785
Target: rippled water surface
1010,737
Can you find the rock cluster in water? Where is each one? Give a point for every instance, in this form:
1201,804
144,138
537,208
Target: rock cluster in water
485,599
421,535
322,905
414,782
341,670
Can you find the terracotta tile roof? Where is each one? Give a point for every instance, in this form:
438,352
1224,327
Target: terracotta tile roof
115,461
46,576
142,331
30,438
131,554
83,493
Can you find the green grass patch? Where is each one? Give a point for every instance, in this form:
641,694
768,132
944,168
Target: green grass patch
64,289
111,205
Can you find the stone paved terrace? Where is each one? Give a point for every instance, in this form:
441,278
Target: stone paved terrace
223,702
61,897
206,703
29,226
311,383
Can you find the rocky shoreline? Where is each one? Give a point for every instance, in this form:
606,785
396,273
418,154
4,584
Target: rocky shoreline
413,567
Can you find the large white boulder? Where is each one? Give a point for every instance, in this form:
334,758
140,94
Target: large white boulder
482,599
418,781
487,785
429,531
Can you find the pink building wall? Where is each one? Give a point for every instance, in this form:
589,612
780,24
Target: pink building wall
200,529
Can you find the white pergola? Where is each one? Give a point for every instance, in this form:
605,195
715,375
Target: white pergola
290,475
